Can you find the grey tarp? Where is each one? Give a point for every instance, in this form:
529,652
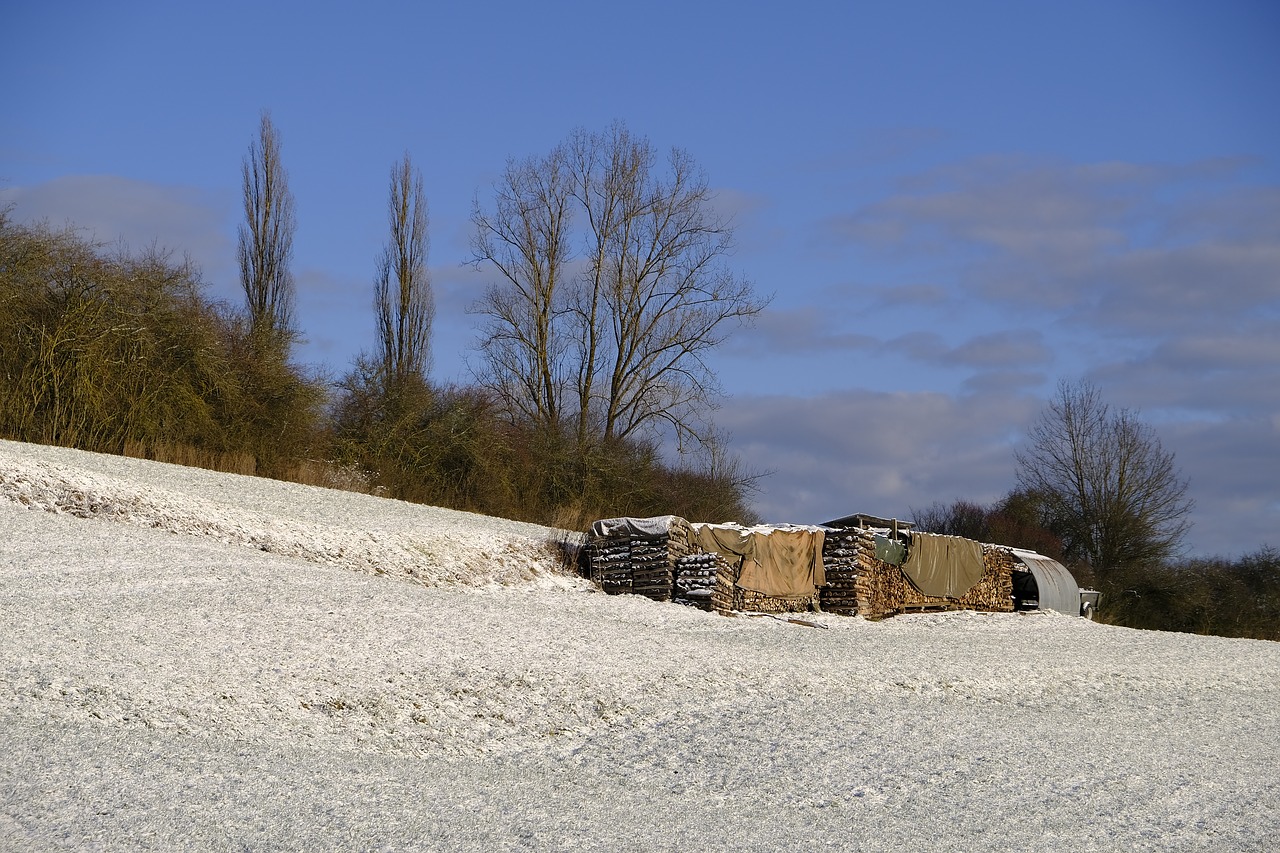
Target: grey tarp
784,562
657,526
943,566
1058,589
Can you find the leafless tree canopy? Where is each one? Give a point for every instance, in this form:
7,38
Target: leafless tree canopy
403,299
526,240
1112,492
611,289
266,238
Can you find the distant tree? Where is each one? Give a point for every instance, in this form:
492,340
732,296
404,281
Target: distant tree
1204,595
403,298
959,518
265,247
1016,520
616,342
1110,490
109,349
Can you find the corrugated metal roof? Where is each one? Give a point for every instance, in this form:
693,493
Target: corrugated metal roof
1058,589
861,519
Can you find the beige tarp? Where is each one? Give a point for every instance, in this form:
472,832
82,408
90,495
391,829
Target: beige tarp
943,566
785,562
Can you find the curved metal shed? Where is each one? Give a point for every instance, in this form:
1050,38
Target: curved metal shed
1058,589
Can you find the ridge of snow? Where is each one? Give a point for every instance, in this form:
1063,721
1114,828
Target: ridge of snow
429,545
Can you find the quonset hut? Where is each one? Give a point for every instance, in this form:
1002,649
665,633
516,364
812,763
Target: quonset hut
1041,583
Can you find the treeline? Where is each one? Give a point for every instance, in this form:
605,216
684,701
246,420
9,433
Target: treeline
119,351
1214,595
114,351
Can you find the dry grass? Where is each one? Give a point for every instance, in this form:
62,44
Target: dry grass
332,475
193,457
567,549
309,472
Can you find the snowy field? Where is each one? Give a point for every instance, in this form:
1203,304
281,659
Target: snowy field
192,660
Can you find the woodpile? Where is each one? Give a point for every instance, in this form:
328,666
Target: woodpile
660,559
726,578
640,562
859,583
993,592
881,589
611,564
767,568
758,602
652,569
728,597
840,553
695,582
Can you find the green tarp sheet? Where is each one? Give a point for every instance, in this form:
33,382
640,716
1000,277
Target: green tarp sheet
890,550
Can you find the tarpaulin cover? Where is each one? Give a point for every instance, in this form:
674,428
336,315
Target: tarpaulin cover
657,526
943,566
784,562
890,550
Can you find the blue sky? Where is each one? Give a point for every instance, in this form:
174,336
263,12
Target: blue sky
953,204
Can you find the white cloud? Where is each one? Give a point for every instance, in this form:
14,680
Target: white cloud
1116,245
113,209
862,451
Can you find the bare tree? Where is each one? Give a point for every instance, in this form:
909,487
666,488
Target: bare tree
1111,491
403,298
266,237
617,340
526,240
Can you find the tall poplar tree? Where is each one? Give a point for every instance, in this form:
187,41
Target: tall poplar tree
403,299
266,238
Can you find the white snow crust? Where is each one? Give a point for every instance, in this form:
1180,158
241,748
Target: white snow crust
191,660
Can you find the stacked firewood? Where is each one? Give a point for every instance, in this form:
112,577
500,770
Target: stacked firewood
644,565
758,602
727,596
696,579
671,566
611,564
840,558
859,583
881,586
993,592
722,594
652,569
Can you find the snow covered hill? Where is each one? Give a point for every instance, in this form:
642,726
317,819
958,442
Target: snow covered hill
204,661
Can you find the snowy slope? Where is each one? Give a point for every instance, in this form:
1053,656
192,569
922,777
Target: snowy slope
197,660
